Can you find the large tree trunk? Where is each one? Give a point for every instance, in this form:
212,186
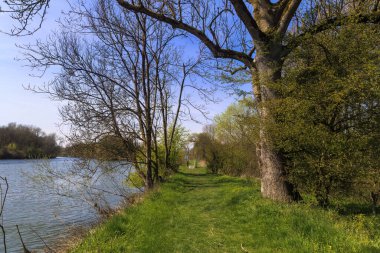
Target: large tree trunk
274,184
273,178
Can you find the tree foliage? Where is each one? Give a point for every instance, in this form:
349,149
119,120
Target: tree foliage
226,145
170,161
208,149
326,120
237,131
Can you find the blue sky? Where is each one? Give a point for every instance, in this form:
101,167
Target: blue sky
17,104
25,107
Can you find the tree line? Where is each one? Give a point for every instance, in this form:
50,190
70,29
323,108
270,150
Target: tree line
26,142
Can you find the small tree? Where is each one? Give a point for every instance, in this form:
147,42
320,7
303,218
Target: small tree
170,160
207,148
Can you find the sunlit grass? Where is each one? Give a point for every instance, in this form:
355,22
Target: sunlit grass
199,212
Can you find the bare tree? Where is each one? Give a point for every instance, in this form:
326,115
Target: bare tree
118,76
252,34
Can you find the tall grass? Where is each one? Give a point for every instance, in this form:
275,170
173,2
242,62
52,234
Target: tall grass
199,212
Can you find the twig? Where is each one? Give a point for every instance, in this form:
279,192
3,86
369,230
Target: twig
4,243
23,245
2,203
5,195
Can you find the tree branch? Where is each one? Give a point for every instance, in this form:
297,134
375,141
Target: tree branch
216,50
23,12
370,18
286,12
249,22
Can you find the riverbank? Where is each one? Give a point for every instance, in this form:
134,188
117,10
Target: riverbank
76,234
199,212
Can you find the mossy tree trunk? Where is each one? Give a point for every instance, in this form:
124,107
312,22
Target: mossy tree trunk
274,184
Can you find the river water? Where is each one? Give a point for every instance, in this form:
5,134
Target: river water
33,204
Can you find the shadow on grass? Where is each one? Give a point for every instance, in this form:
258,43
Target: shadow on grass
186,181
195,174
370,249
356,208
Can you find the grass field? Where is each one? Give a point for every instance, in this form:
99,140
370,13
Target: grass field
198,212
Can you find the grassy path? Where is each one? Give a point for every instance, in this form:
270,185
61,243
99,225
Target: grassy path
199,212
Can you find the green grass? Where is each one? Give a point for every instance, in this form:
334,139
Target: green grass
199,212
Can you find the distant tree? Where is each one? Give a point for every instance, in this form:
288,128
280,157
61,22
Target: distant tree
237,131
20,142
201,143
207,148
226,144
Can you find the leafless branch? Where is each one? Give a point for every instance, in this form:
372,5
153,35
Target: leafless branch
216,50
24,12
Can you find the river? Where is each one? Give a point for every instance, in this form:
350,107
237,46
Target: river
35,206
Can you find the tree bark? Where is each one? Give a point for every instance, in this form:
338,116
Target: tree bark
274,184
273,178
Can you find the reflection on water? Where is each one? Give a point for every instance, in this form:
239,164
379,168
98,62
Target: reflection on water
36,209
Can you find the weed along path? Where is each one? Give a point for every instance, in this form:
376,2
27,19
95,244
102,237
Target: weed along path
198,212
